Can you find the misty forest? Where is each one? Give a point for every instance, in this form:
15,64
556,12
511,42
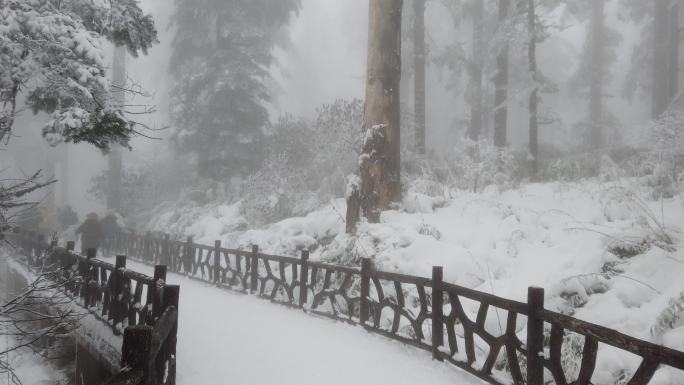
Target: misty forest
439,191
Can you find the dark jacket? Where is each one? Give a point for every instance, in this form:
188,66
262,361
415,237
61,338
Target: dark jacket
91,234
109,226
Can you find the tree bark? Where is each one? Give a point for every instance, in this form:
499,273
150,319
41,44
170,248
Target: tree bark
380,157
419,72
476,65
534,94
659,98
501,84
596,135
115,156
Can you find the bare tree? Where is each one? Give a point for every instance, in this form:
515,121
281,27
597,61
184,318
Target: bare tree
36,318
14,200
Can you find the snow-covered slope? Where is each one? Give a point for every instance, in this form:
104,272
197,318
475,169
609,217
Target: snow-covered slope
603,251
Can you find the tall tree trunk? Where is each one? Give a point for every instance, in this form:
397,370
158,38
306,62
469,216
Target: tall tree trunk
115,161
596,135
673,51
419,79
475,129
534,94
380,157
501,83
659,98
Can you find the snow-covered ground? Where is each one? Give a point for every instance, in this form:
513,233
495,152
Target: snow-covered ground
606,252
231,338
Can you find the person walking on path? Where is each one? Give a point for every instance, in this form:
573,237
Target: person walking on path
91,233
110,228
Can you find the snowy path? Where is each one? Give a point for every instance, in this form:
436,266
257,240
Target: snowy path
231,338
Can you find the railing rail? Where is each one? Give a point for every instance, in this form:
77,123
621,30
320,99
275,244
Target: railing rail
131,303
451,321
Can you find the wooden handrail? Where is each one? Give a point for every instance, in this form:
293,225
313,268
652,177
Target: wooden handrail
362,296
162,328
645,349
149,345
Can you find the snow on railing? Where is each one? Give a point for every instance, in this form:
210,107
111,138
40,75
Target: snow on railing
496,339
140,307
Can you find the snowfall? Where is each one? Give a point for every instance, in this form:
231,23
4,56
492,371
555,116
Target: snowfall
606,252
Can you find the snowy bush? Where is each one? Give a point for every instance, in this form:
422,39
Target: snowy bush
143,188
670,317
663,164
572,167
300,171
478,164
655,233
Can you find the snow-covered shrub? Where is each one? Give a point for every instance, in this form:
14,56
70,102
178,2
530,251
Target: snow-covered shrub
478,164
572,167
426,182
670,317
145,186
655,233
269,194
306,163
663,164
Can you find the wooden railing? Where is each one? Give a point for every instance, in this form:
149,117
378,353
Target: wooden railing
453,322
142,308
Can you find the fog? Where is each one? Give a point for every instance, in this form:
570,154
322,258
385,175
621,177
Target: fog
321,57
503,146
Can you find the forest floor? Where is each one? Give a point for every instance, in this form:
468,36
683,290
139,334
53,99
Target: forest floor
611,253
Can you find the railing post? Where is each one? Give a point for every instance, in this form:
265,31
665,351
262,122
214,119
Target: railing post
135,352
254,270
84,271
437,312
535,336
158,291
217,260
364,310
187,258
303,278
117,289
171,298
93,288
